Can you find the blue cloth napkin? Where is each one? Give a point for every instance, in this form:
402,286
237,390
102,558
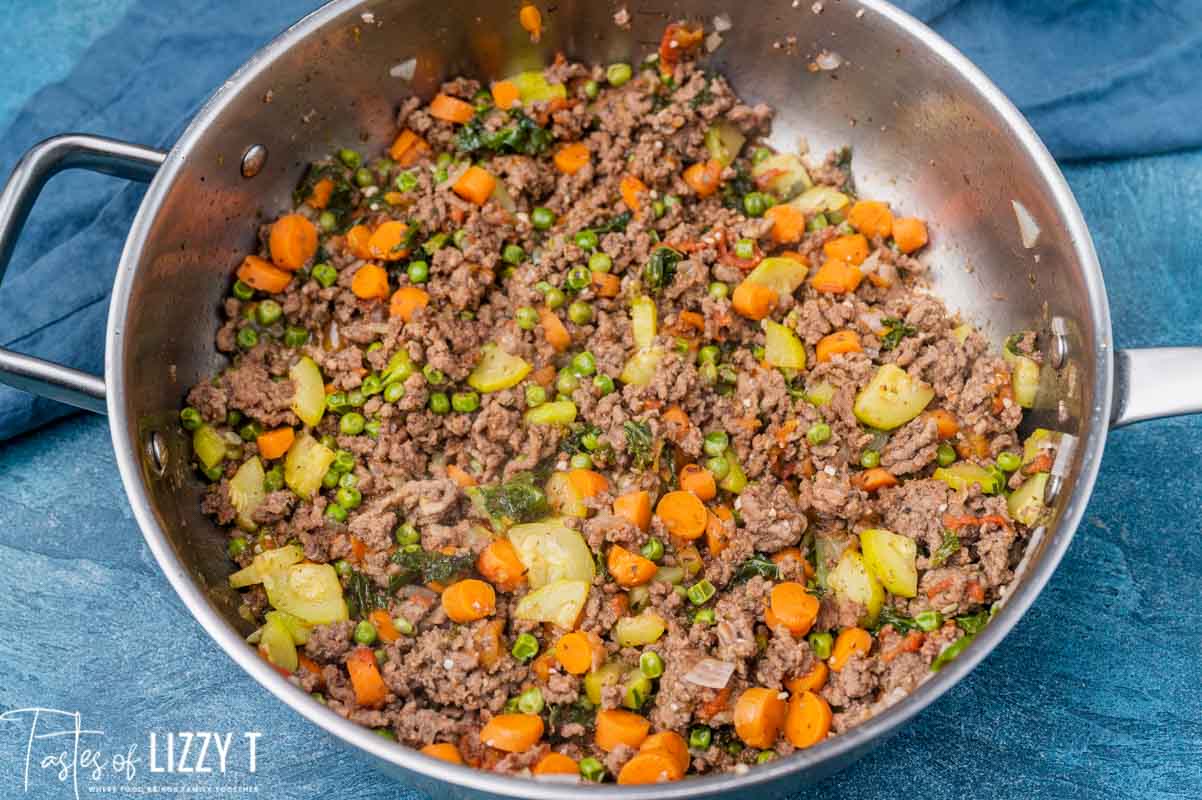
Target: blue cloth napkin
1097,79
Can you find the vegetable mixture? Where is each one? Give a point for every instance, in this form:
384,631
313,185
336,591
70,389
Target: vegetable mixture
583,434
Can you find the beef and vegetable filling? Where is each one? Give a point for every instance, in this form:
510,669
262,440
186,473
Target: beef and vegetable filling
583,433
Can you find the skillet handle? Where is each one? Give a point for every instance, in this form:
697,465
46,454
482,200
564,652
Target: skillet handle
1156,382
42,162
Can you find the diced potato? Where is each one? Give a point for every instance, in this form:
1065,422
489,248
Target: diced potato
964,474
310,592
783,175
1024,377
298,630
266,563
309,398
552,552
558,412
563,497
724,140
497,370
891,558
640,369
534,88
208,446
820,393
1026,503
306,464
559,603
892,398
782,348
607,675
646,628
819,200
852,580
782,275
246,491
277,643
1040,439
736,479
643,322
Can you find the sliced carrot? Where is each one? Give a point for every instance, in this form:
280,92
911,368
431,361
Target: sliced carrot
499,563
469,600
358,240
808,720
691,319
759,715
369,687
531,21
462,477
631,189
910,234
635,507
505,94
715,534
912,643
407,148
945,423
849,642
615,727
876,478
293,241
451,109
406,301
319,198
387,242
579,652
513,733
852,248
587,482
475,185
310,666
384,627
837,277
358,549
606,284
629,569
542,665
444,751
677,421
370,282
671,743
794,607
260,274
650,766
572,158
837,343
812,681
556,764
754,300
871,218
487,640
704,178
788,223
274,444
715,705
683,514
554,329
698,480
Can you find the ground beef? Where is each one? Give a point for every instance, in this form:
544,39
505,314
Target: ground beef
329,643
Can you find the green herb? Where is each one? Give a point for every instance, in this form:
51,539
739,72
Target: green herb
889,616
735,189
639,442
972,624
424,566
523,136
516,500
559,714
757,565
341,197
896,331
661,268
947,548
702,98
949,653
574,442
364,595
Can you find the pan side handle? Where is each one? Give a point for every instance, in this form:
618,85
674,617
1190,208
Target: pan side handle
1156,382
42,162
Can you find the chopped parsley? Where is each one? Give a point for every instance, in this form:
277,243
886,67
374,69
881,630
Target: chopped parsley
972,624
424,566
639,442
522,136
947,548
735,188
901,624
757,565
364,595
574,442
896,330
516,500
661,268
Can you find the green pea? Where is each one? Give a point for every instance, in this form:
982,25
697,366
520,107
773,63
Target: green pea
526,318
600,262
817,222
356,398
584,363
603,384
459,238
233,417
715,443
435,243
592,770
821,644
269,312
364,178
349,497
764,756
250,431
247,338
336,512
618,74
330,479
658,208
653,550
373,428
243,291
719,290
870,459
760,154
393,392
403,626
406,534
1008,462
708,354
591,89
465,402
350,158
818,433
327,221
439,403
700,737
581,461
365,633
236,547
754,205
273,479
578,278
337,402
555,298
708,373
324,274
512,254
328,442
372,385
418,272
745,248
705,616
406,181
525,647
567,382
719,466
757,352
945,454
440,174
434,376
580,312
638,689
535,395
295,336
700,592
190,418
531,701
542,218
352,423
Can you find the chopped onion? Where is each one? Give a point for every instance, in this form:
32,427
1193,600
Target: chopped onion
332,340
501,196
1028,228
404,70
722,23
828,60
872,320
711,672
713,42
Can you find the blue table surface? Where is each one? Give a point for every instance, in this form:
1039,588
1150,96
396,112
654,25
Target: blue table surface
1095,694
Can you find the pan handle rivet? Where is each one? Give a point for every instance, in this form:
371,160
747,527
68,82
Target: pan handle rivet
1059,346
253,160
156,453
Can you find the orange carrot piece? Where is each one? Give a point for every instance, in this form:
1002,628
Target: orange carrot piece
677,421
759,715
384,627
572,158
629,569
912,643
691,319
836,343
505,94
812,681
358,240
531,21
683,514
754,300
274,444
788,224
260,274
650,766
698,480
451,109
871,218
556,764
406,301
292,241
715,534
849,642
615,727
587,482
579,652
606,284
808,720
462,477
444,751
837,277
319,198
852,248
513,733
945,423
631,189
469,600
387,241
876,478
475,185
794,607
499,563
704,178
910,234
557,335
369,687
407,148
671,743
635,507
370,282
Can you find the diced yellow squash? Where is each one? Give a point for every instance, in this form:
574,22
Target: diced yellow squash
892,398
208,446
643,322
964,474
276,642
820,393
608,674
1024,377
309,395
552,552
644,629
829,548
497,370
669,574
298,630
557,412
781,275
247,492
891,558
309,592
533,87
736,479
962,332
306,464
782,348
266,563
1026,503
852,580
1040,439
724,140
640,369
783,175
819,200
559,603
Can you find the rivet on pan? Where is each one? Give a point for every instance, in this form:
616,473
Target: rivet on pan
253,160
156,453
1059,347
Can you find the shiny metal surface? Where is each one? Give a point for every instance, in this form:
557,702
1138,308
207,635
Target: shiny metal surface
1156,382
930,133
41,163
